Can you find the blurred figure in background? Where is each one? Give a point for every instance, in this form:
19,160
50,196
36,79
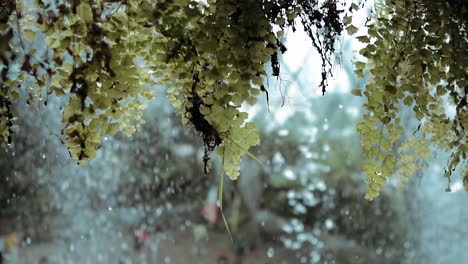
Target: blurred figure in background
9,248
210,208
140,236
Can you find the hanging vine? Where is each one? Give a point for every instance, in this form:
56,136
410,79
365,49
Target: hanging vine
103,57
213,56
413,60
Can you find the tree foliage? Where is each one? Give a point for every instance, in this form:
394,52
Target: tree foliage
22,185
103,56
413,59
212,55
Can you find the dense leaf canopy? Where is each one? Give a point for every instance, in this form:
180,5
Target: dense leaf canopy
415,59
104,56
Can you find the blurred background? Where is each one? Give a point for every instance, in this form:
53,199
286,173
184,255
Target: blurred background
145,199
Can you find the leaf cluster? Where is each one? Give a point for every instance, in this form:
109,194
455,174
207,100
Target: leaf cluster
413,61
213,55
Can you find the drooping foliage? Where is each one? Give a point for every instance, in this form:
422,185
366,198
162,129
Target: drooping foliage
414,58
214,58
89,58
103,55
23,187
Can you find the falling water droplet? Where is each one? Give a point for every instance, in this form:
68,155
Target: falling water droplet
329,224
325,125
270,252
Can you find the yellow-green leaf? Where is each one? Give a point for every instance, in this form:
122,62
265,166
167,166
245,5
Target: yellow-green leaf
356,92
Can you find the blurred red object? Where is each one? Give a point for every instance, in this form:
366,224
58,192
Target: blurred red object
210,212
140,236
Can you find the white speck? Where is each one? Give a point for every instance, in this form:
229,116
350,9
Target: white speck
329,224
314,131
378,251
299,209
286,242
450,111
306,152
326,148
287,228
457,186
321,186
292,202
340,106
270,252
110,208
289,174
352,111
278,158
297,225
309,198
43,156
65,185
283,132
315,257
302,237
184,150
325,125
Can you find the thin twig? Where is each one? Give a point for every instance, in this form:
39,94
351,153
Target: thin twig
220,197
117,9
18,15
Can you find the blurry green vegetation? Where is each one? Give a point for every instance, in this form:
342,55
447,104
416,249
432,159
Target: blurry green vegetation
413,63
102,56
25,193
164,161
312,169
328,181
